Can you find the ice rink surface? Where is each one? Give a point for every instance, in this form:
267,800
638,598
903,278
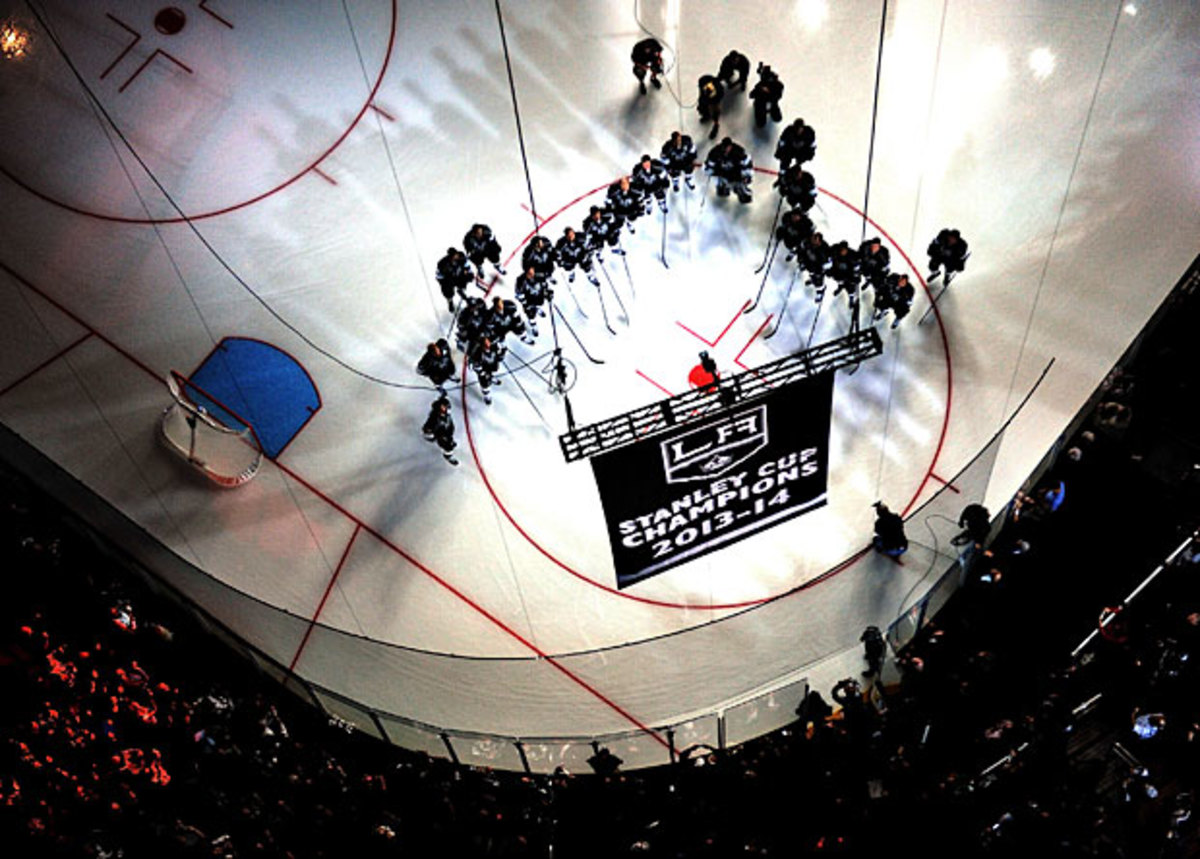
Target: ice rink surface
294,175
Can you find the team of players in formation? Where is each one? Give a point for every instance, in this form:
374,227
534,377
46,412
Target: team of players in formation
480,329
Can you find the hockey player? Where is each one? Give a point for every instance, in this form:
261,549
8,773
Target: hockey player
679,157
797,187
797,145
454,274
603,227
503,319
734,71
647,58
649,178
480,245
709,102
471,318
896,294
624,202
485,360
533,292
794,228
574,250
873,262
766,95
948,251
730,165
843,267
437,365
439,428
814,259
539,253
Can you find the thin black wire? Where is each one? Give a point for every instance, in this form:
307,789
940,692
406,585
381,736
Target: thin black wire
874,118
1062,209
196,231
512,88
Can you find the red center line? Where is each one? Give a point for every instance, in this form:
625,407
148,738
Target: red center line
328,590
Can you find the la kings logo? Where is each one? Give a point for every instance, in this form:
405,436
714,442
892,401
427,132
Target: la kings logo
711,451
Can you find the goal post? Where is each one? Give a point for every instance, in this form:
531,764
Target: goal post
211,438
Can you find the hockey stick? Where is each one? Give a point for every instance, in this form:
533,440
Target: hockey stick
529,399
774,246
586,353
933,303
578,306
616,294
784,307
771,240
662,253
628,276
813,328
604,310
854,325
703,196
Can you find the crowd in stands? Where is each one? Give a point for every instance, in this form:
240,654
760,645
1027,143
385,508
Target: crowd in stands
127,731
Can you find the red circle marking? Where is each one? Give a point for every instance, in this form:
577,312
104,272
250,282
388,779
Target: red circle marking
121,219
821,577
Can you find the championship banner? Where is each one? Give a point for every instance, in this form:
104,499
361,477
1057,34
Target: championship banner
685,492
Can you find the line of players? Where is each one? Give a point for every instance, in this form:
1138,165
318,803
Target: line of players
481,329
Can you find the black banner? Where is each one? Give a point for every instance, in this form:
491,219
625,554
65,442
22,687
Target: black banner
682,493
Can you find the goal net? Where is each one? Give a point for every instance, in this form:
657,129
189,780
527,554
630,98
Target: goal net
209,437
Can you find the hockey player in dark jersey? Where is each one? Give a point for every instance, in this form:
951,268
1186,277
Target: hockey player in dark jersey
766,95
679,157
485,359
797,145
454,274
539,253
624,202
533,291
814,259
574,250
437,365
708,103
647,59
797,187
896,294
949,251
794,228
874,261
480,245
730,165
439,428
603,227
471,318
734,71
503,319
649,178
843,267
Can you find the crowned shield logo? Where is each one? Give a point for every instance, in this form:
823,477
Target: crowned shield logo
710,451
